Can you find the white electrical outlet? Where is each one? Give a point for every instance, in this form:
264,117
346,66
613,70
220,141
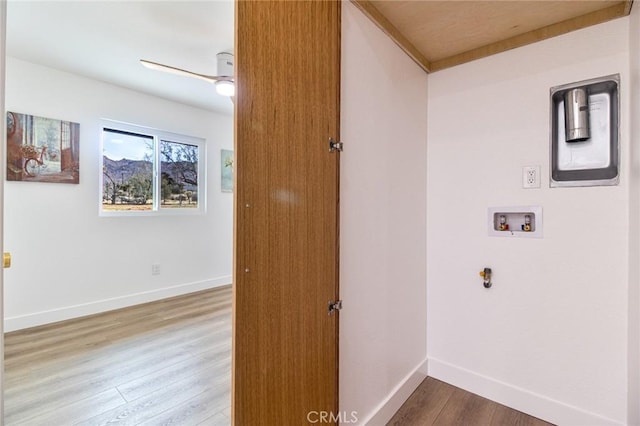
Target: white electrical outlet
155,269
531,177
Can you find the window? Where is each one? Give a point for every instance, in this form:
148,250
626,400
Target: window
147,171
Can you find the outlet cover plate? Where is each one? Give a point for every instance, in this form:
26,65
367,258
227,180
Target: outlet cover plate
531,177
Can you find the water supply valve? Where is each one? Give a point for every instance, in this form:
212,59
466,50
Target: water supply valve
503,225
486,277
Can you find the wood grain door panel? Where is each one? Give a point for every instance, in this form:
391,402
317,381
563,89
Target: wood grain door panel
287,108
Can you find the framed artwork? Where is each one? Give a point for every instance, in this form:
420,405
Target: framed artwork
42,149
226,167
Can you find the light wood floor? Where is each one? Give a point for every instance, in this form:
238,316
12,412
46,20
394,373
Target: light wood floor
166,362
438,403
169,362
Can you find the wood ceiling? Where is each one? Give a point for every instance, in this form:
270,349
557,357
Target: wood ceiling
439,34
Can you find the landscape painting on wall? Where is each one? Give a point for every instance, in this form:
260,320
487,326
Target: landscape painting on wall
42,149
226,165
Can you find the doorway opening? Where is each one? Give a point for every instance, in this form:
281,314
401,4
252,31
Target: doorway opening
110,295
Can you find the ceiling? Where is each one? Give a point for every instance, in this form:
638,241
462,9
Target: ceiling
441,34
104,40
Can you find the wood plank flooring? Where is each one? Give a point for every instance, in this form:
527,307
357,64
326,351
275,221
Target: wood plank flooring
438,403
169,363
161,363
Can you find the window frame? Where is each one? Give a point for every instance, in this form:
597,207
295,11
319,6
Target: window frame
158,136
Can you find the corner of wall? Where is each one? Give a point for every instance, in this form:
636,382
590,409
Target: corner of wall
633,391
382,222
392,403
3,26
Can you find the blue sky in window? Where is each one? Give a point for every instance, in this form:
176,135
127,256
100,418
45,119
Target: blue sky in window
117,146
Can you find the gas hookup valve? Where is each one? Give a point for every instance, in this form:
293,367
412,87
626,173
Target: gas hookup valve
486,277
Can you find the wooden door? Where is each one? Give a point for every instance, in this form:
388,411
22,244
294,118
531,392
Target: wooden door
286,243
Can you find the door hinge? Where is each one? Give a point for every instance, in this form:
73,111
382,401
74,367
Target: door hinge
335,146
335,306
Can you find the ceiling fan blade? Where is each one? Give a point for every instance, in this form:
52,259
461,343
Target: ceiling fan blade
184,73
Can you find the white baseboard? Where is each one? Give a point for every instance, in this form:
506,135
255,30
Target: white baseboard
517,398
388,407
69,312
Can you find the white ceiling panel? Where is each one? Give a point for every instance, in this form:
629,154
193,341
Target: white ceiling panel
105,40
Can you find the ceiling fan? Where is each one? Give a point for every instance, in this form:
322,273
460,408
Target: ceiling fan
223,82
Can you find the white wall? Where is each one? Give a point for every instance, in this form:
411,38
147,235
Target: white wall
634,221
550,337
3,26
382,224
68,261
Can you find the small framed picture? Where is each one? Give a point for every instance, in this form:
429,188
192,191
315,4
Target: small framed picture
42,149
226,167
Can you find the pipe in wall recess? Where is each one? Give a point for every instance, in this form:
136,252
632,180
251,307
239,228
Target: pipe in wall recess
576,115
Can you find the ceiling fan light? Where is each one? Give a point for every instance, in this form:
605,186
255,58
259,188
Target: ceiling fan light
225,88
